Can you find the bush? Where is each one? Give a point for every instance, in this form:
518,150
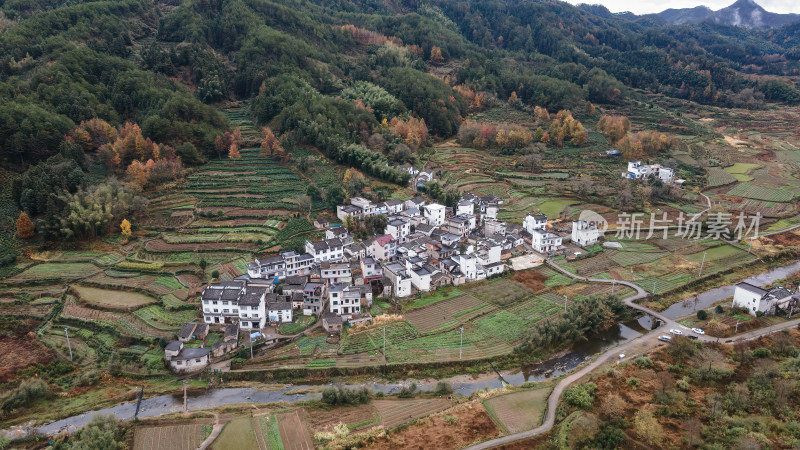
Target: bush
702,314
28,392
341,396
443,388
101,432
762,352
719,309
408,392
215,274
683,385
632,382
643,362
581,396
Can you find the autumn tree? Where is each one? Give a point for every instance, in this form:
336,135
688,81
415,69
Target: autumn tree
125,228
436,55
614,128
513,100
647,426
233,150
614,406
270,146
136,173
541,114
25,227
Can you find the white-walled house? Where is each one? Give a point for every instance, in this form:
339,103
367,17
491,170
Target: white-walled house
491,211
185,360
252,307
584,233
342,300
544,241
297,264
399,227
638,171
382,248
326,250
336,272
279,312
267,268
465,207
756,300
435,214
396,273
534,222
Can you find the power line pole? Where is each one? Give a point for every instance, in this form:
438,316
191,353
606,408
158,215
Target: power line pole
654,287
66,333
461,346
251,343
565,304
384,345
701,265
613,283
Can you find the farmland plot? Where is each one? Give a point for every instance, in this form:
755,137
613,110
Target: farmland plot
172,437
447,314
112,299
518,411
293,431
398,412
501,291
237,434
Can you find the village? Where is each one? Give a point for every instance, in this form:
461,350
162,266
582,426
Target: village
424,246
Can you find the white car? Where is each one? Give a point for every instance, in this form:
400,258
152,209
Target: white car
665,338
675,331
698,331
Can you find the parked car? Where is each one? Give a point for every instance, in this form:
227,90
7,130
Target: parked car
665,338
675,331
692,337
698,331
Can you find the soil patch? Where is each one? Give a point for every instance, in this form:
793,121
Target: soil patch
325,420
19,352
457,428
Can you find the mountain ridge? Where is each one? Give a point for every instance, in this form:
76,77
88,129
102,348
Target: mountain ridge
742,13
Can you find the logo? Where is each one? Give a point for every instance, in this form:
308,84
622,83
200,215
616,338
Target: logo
593,219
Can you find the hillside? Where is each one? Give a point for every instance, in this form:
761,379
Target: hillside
743,13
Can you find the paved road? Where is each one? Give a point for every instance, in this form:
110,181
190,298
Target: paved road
633,346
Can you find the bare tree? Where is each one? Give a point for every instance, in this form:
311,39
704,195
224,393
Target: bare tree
783,389
694,430
666,382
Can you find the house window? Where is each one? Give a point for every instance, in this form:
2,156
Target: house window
178,363
197,360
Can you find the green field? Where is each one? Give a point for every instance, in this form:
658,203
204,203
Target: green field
113,299
238,433
58,270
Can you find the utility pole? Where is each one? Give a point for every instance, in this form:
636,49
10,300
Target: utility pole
66,333
251,344
654,287
613,283
737,327
565,304
461,346
750,247
701,265
384,345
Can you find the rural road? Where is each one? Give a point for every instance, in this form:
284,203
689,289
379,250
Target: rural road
611,355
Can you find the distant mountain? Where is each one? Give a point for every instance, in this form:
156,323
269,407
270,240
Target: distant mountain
743,13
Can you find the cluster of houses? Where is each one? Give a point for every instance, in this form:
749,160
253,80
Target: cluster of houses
423,247
184,359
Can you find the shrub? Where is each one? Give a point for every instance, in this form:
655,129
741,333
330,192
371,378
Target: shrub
702,314
643,362
683,385
342,396
581,396
762,352
632,382
28,392
719,309
443,388
215,274
408,392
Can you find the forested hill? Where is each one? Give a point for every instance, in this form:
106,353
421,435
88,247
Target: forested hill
164,65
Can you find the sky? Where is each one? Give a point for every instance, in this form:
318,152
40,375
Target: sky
654,6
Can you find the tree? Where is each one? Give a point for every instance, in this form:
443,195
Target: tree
436,55
303,203
125,228
532,162
614,406
215,274
648,427
270,146
694,431
335,195
702,314
233,151
710,365
25,227
313,192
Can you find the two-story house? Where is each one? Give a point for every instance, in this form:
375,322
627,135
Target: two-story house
534,222
267,268
382,248
545,242
398,227
326,250
336,272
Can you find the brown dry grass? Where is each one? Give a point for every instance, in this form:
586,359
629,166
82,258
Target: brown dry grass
531,279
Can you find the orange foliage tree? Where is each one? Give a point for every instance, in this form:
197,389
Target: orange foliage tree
614,128
25,227
413,131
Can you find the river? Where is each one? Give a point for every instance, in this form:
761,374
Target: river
561,364
164,404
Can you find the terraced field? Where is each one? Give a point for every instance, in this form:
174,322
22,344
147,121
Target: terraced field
398,412
518,411
447,314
